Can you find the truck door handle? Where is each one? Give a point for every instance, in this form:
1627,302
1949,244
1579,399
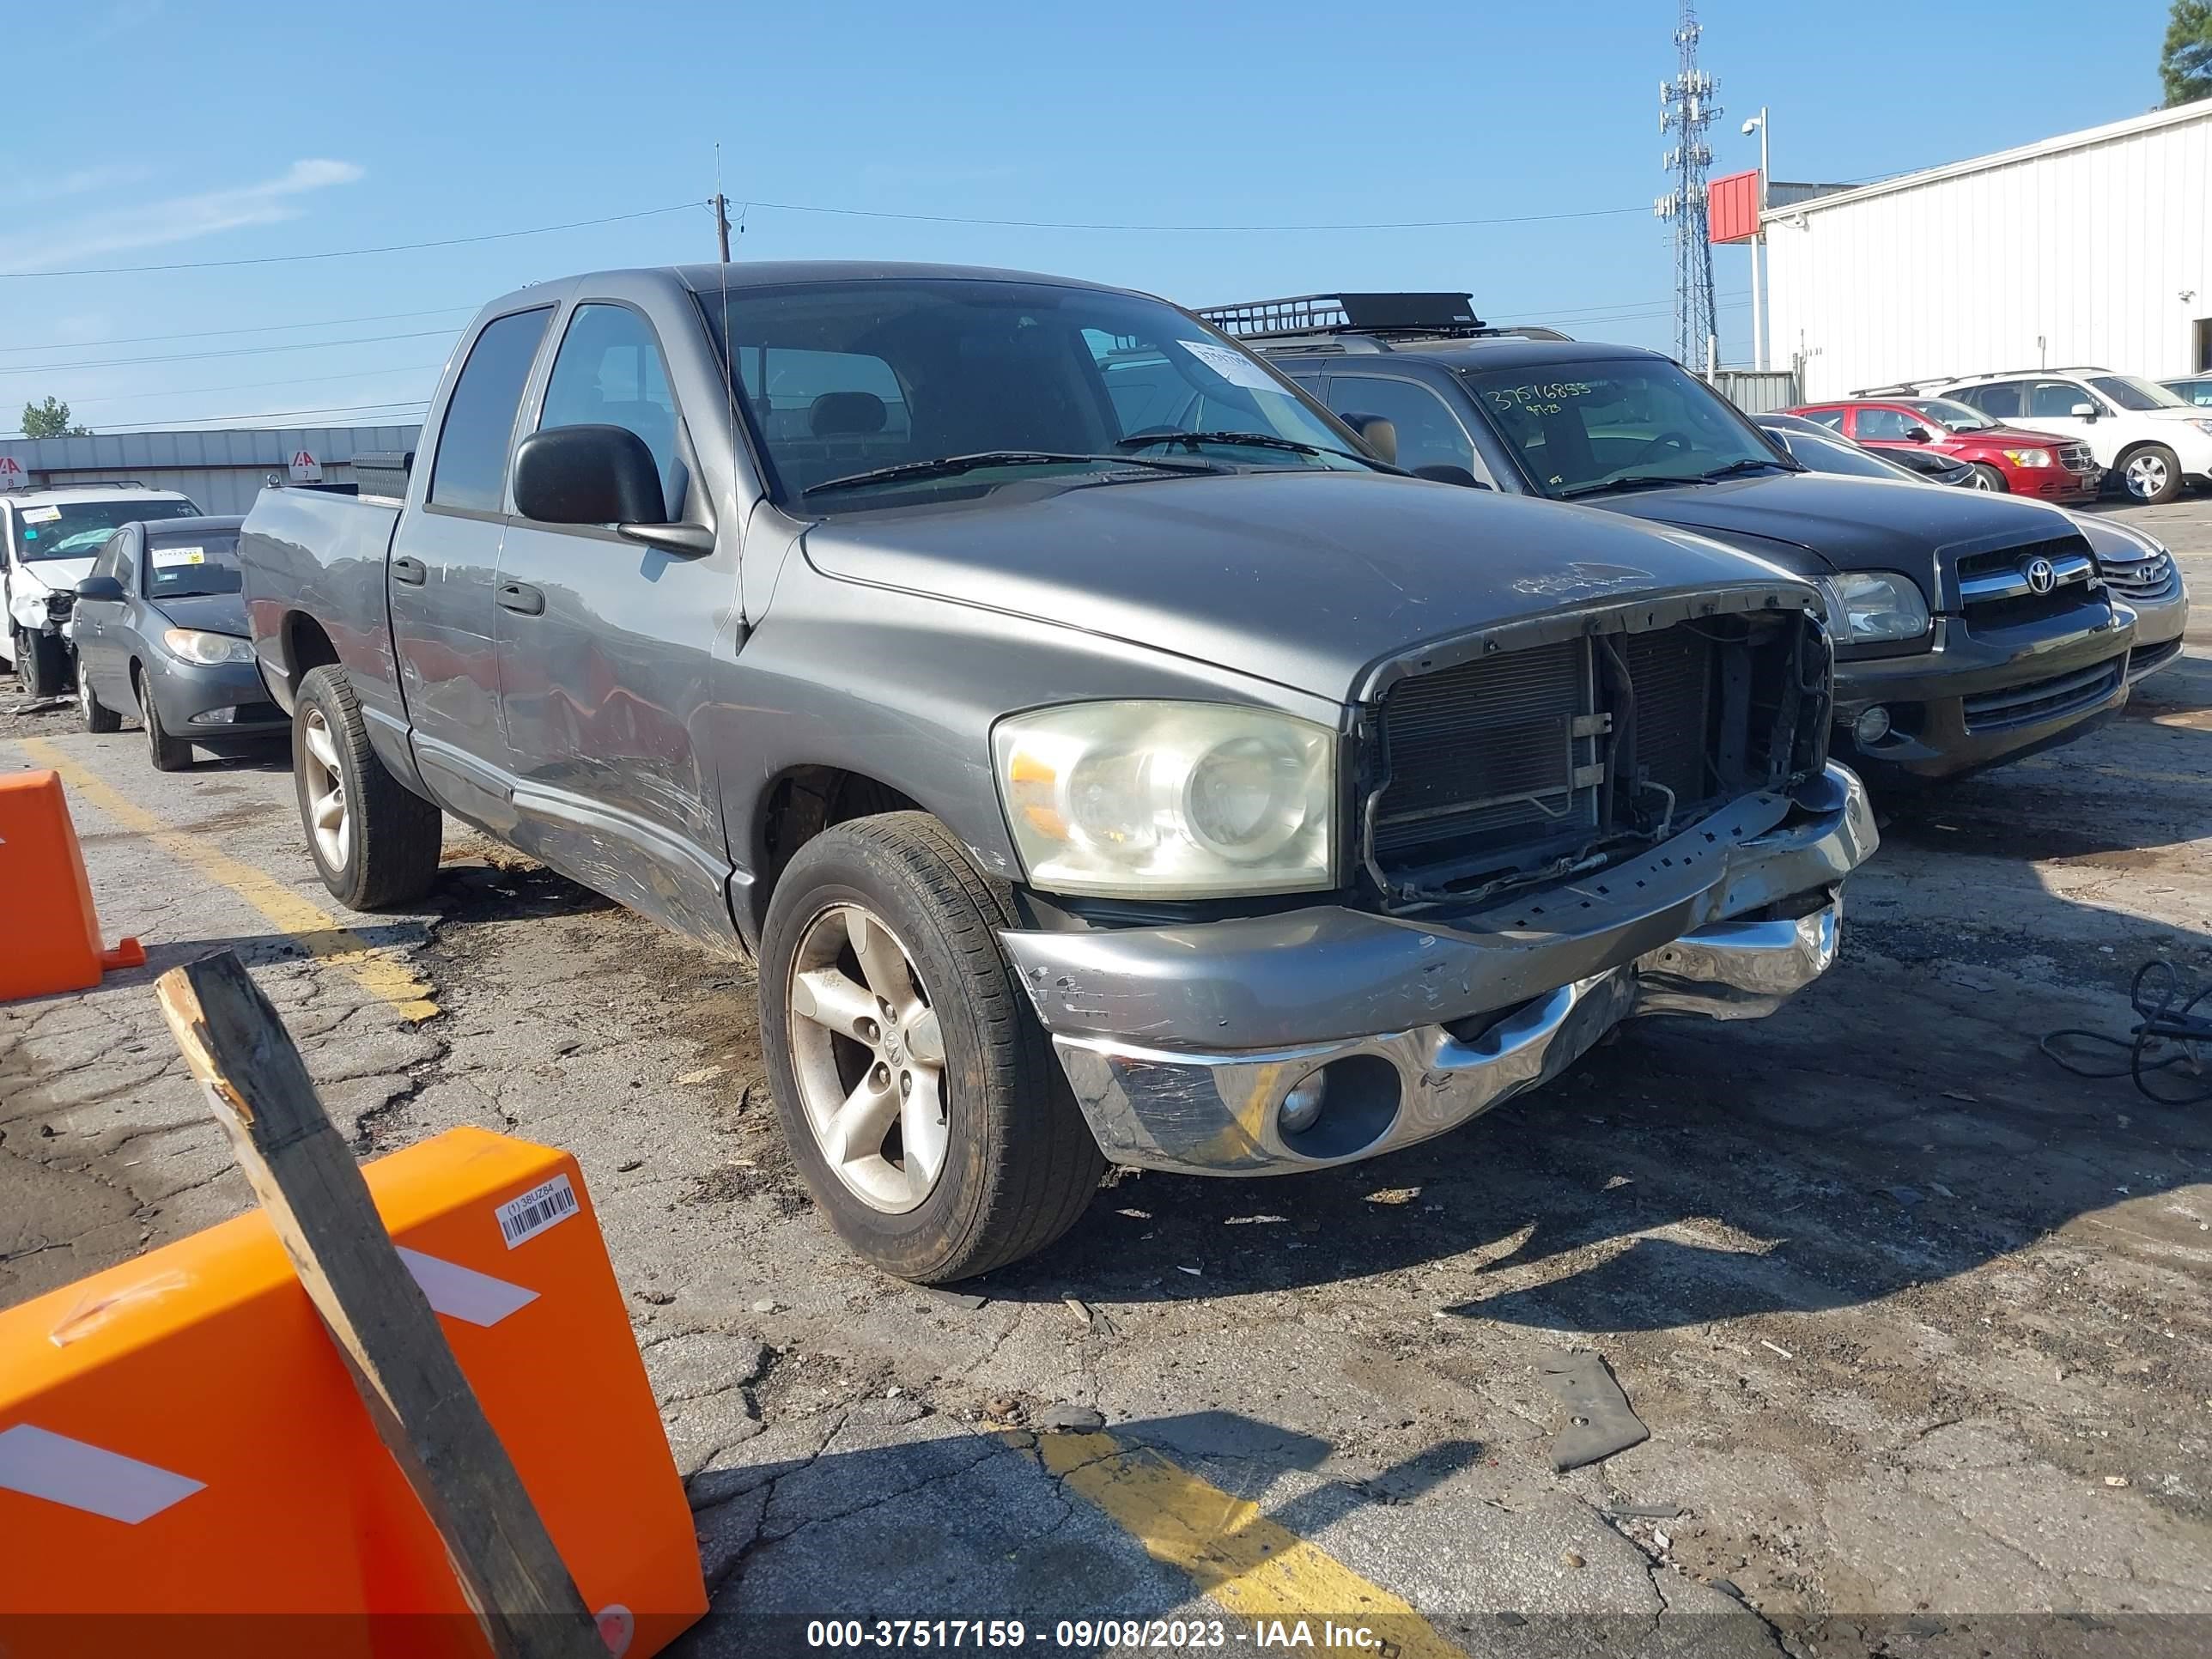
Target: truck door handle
413,572
521,598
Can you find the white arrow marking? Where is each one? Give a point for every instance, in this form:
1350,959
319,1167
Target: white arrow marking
463,1293
40,1463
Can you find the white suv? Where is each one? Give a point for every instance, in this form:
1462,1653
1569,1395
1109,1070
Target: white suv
48,539
2141,434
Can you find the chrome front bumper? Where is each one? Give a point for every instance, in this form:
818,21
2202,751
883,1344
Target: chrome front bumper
1716,928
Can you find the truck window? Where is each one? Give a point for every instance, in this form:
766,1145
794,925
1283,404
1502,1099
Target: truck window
1428,434
469,471
609,371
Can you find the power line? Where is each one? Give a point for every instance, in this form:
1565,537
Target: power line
417,405
1058,224
242,351
218,333
256,386
353,253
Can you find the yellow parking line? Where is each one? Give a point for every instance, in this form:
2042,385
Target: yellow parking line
1251,1566
312,927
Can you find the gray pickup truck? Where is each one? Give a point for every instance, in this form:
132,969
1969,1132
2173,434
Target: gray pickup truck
1091,784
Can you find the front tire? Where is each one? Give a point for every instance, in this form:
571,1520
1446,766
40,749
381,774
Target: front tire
2151,476
916,1090
375,841
39,664
1988,477
97,716
168,754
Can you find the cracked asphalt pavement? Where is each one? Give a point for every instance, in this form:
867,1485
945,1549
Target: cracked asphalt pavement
1918,1322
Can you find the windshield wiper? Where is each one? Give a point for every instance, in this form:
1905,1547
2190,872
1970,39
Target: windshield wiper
1631,481
1258,439
1746,464
946,467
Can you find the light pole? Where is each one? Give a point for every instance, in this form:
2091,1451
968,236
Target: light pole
1758,123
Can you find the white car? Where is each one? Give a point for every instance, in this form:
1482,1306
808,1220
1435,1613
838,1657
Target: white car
48,539
2144,436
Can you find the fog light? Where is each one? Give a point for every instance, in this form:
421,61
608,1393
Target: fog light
216,717
1872,725
1301,1107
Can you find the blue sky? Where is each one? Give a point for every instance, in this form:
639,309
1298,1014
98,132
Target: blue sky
163,131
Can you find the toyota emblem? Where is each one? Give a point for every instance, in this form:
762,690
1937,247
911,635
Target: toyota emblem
2041,577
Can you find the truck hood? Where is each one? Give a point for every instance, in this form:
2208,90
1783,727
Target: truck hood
1835,523
1301,578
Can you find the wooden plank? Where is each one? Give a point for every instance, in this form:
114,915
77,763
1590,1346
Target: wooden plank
423,1408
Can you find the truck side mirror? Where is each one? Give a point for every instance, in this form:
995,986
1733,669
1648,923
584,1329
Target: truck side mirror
1380,437
100,587
600,475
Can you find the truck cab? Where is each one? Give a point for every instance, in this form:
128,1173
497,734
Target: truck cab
49,539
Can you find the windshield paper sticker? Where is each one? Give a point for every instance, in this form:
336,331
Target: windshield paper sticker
41,515
168,558
1231,365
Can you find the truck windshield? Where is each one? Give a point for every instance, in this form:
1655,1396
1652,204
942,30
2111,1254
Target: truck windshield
1578,428
930,388
74,530
180,565
2130,392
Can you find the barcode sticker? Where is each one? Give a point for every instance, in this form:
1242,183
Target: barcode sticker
524,1218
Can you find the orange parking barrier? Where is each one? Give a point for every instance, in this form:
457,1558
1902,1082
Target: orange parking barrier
180,1436
54,945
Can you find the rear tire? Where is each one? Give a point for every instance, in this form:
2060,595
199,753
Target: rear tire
39,665
1988,477
97,716
168,754
1016,1166
2151,476
375,841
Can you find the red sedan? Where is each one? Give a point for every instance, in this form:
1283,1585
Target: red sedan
2040,465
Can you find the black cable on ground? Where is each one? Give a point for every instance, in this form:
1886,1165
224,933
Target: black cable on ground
2167,1033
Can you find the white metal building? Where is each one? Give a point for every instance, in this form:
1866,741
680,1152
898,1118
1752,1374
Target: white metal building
221,469
2093,247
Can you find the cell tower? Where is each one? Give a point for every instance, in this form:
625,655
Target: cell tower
1686,110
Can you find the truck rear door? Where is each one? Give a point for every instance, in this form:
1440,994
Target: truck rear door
607,649
444,559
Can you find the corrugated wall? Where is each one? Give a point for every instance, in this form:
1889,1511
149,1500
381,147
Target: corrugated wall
221,469
2090,250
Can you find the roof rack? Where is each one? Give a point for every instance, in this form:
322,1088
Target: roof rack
1901,388
90,483
1373,319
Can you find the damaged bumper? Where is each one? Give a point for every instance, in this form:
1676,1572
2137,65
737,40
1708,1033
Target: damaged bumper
1182,1043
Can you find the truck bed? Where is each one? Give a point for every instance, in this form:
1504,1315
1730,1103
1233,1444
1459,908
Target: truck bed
314,565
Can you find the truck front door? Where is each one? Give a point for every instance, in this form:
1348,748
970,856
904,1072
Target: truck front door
444,559
606,655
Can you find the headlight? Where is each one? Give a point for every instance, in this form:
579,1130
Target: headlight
2203,426
1169,799
1868,606
2027,457
207,649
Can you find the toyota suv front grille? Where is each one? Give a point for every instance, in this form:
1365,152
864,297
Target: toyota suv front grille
2010,585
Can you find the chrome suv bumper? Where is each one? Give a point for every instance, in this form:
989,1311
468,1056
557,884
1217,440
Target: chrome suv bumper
1182,1044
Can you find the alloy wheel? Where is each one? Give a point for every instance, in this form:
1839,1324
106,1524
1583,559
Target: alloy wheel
2145,477
327,820
868,1055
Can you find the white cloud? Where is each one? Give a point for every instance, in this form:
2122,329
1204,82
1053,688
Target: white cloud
178,218
80,181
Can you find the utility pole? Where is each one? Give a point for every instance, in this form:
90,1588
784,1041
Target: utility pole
722,224
1758,242
1686,110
